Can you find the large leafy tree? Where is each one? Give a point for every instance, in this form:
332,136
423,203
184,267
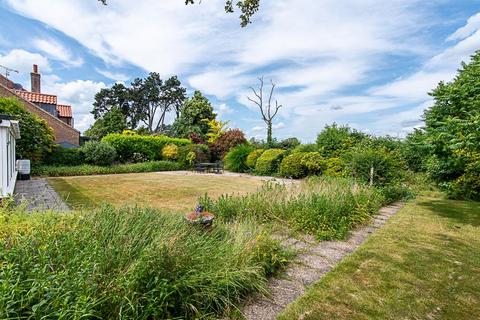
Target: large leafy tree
114,121
452,126
117,97
37,138
155,98
194,117
335,140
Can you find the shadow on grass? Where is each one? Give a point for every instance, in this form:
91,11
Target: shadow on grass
74,197
463,212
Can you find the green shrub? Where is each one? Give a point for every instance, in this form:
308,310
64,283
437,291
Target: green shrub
313,162
37,139
310,147
252,158
325,207
130,264
150,146
293,167
170,152
269,161
86,170
235,159
395,192
387,166
333,167
200,152
467,186
99,153
65,157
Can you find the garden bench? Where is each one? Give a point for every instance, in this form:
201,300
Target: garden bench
210,167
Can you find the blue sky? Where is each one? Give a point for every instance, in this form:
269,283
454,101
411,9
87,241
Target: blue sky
365,63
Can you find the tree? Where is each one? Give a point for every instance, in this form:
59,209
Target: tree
247,8
155,97
120,97
268,111
37,138
335,140
194,117
452,127
114,121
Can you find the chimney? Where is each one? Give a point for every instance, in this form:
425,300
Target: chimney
35,79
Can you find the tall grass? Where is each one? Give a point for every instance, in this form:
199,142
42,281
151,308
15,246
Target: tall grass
128,264
325,207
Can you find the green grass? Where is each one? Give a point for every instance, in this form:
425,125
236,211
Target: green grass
163,190
128,264
423,264
86,169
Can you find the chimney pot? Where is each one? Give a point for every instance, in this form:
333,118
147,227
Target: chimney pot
35,68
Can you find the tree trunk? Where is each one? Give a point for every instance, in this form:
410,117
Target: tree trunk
269,133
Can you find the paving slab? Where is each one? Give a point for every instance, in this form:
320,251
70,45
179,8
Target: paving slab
38,195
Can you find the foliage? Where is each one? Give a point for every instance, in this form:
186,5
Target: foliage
131,264
228,140
154,98
139,157
37,139
196,139
288,143
99,153
113,121
452,129
251,160
194,117
269,161
170,152
216,129
334,167
335,140
65,156
150,146
325,207
86,170
387,165
236,158
292,166
309,147
247,8
415,150
313,162
188,155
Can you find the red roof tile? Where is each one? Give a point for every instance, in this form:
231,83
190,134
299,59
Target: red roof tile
64,111
37,97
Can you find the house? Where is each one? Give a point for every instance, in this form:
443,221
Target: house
9,132
58,116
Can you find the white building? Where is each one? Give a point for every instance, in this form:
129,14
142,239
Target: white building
9,132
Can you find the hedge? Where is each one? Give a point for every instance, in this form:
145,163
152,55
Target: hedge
150,146
85,170
269,161
253,156
292,166
65,157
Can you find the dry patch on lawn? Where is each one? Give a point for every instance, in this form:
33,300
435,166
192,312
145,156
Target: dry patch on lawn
164,190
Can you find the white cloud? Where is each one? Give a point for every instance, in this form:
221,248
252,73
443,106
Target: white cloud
79,94
116,76
57,51
316,51
22,61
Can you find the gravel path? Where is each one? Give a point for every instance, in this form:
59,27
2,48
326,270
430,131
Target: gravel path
38,195
315,260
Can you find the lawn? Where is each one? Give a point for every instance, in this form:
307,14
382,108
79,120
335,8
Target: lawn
163,190
424,264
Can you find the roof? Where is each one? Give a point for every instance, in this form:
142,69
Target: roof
64,111
37,97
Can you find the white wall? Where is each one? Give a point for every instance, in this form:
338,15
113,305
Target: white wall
8,172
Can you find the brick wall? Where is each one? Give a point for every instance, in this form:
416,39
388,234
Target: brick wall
62,131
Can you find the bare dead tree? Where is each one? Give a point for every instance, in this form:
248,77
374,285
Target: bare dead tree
267,110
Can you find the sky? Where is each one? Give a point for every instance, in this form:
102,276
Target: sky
366,63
